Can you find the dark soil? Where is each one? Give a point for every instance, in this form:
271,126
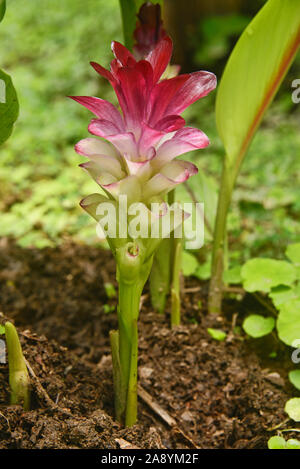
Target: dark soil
222,394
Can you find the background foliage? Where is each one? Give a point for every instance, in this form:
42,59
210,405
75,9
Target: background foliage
46,47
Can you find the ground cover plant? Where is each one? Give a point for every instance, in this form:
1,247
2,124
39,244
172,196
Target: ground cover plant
225,375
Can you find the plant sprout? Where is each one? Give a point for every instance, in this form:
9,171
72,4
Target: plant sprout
19,381
134,164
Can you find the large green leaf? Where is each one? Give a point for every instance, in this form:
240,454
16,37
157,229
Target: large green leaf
9,106
2,9
261,274
254,72
288,323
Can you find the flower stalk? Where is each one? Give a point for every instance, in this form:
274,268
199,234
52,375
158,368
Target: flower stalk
176,277
134,164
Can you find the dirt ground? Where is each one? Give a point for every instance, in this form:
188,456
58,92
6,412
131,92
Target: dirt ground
221,394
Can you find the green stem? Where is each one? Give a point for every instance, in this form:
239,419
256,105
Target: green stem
175,291
131,408
216,282
119,385
160,277
129,298
128,13
133,271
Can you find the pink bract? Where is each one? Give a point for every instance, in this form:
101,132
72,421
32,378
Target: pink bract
148,133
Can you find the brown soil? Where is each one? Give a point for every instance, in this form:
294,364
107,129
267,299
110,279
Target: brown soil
221,394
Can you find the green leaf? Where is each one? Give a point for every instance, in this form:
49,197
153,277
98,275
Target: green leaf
262,274
203,271
233,276
128,12
281,295
292,408
189,264
288,322
294,377
9,106
293,253
217,334
276,442
110,290
2,329
2,9
257,326
293,444
204,189
253,74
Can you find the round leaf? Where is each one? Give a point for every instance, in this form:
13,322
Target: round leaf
281,295
293,253
189,264
293,444
9,106
276,442
292,408
217,334
233,276
288,323
257,326
262,274
294,377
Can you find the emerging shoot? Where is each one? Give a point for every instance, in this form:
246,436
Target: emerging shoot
19,381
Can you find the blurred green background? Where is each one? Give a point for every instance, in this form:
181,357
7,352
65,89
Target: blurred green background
46,47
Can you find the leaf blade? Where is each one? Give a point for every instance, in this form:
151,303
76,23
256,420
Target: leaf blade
239,113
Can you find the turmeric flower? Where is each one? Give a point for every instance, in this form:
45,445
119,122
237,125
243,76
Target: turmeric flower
136,153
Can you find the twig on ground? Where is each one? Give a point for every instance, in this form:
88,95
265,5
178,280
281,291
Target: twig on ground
125,444
42,393
278,426
163,414
7,421
191,290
